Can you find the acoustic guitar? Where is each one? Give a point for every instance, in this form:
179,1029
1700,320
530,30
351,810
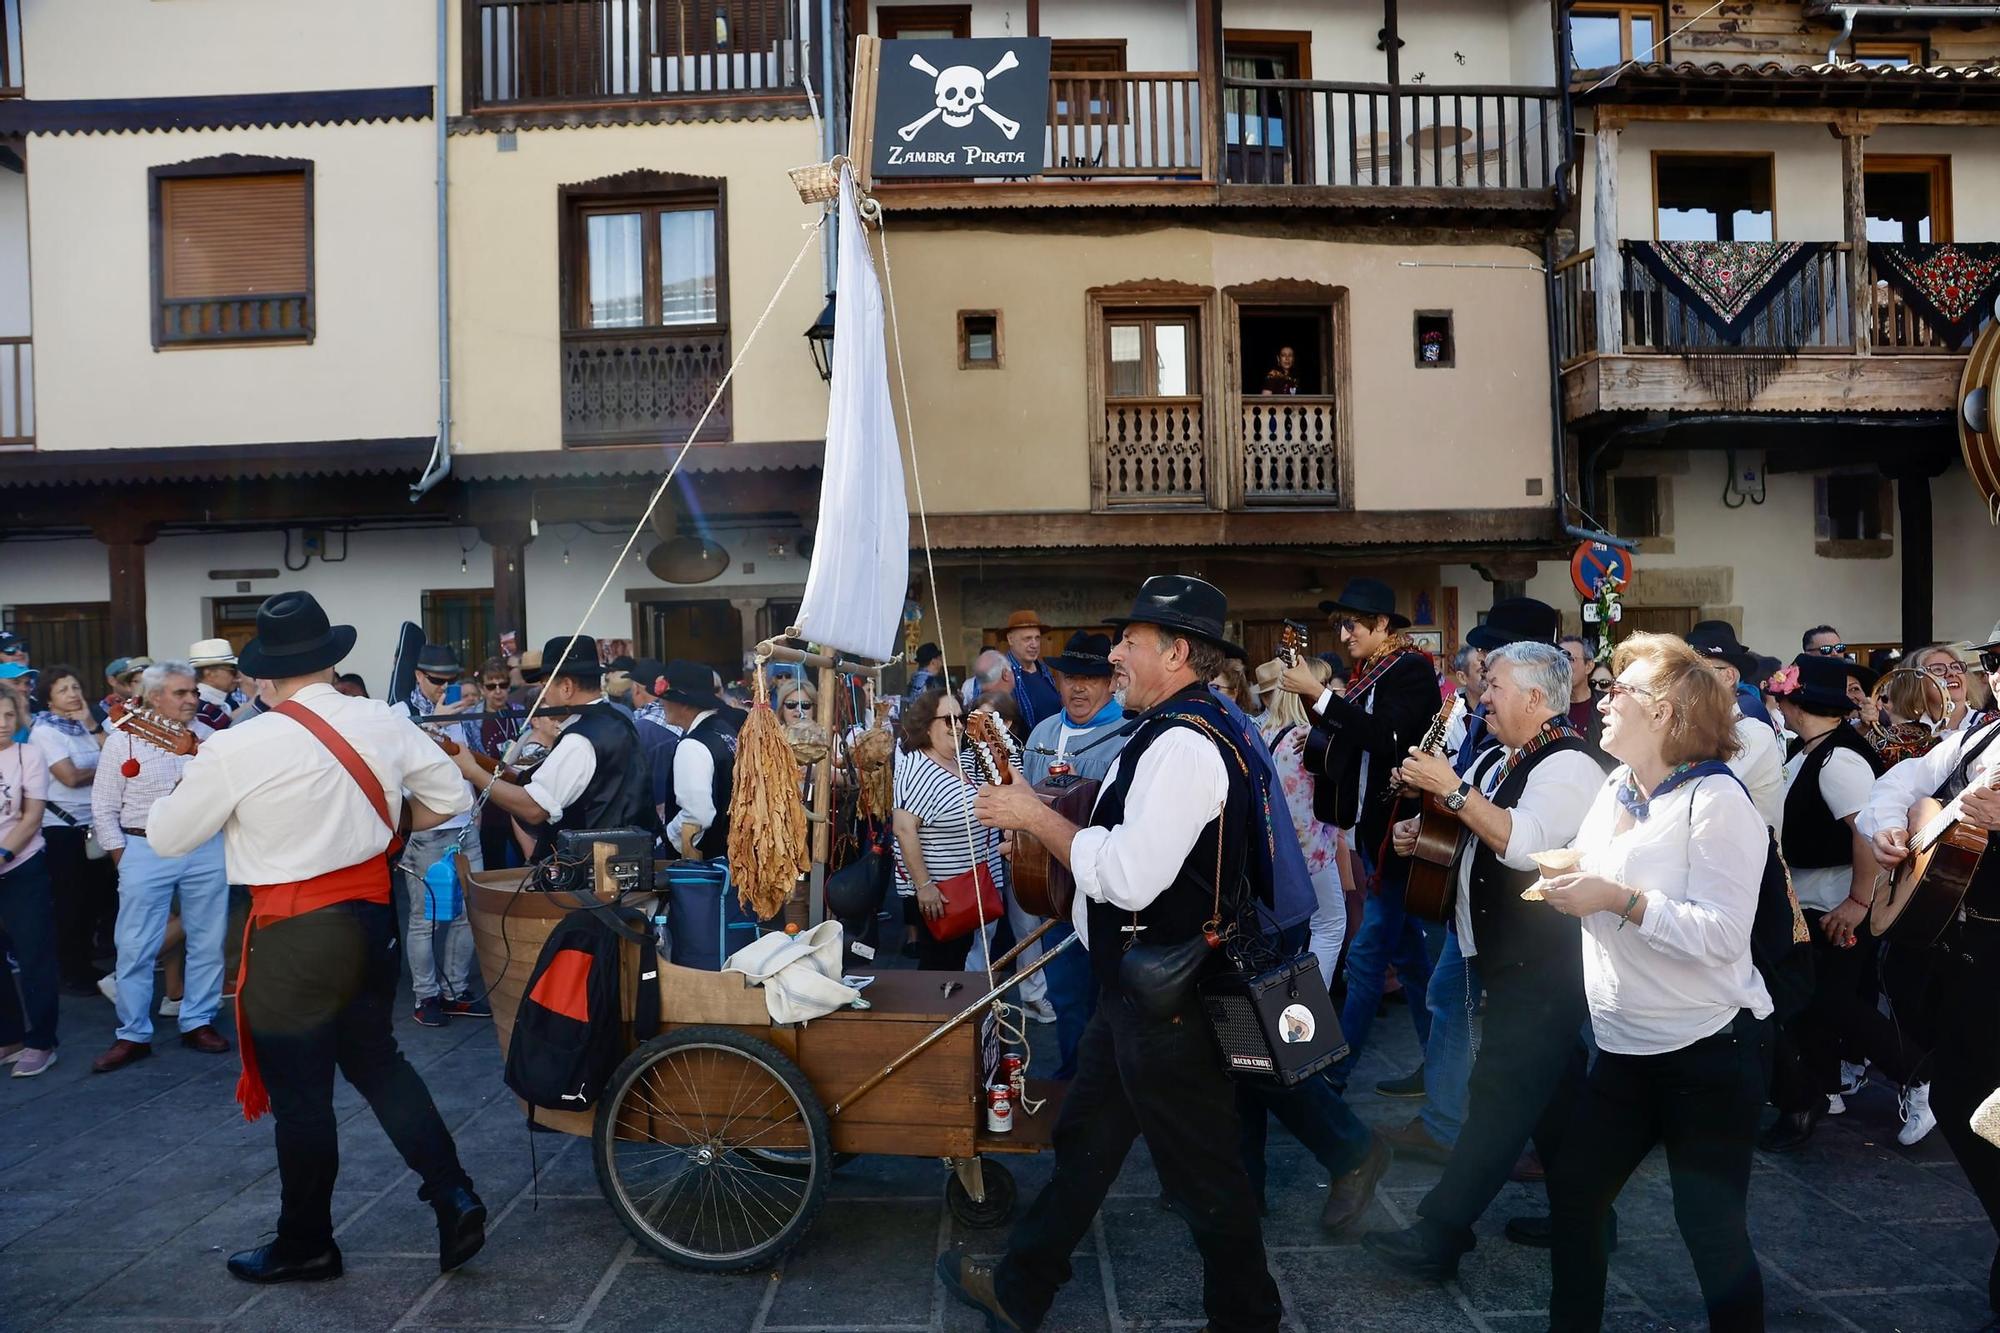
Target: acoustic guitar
1043,885
1929,888
1432,891
151,726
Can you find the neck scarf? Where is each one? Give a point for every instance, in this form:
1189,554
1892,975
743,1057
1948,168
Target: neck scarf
66,725
1640,805
1555,729
1372,670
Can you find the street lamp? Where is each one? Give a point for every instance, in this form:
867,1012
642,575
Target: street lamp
820,339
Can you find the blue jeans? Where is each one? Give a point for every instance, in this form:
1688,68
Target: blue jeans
147,884
1073,991
1453,993
1388,935
424,939
1316,1114
27,909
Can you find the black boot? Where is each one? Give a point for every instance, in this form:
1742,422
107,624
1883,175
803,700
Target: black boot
272,1263
461,1226
1789,1132
1412,1252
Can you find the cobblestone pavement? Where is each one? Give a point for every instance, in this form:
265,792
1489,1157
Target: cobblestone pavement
121,1194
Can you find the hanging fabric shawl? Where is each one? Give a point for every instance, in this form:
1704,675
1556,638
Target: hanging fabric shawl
1710,294
1726,284
1952,286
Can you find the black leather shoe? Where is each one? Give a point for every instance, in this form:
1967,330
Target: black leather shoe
972,1284
1538,1233
264,1264
461,1227
1409,1253
1348,1196
1407,1088
1789,1132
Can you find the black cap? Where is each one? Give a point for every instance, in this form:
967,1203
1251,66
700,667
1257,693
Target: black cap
619,664
646,673
1085,654
439,659
691,684
1822,685
1717,639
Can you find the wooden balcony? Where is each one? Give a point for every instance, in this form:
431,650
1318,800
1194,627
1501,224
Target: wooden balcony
1154,451
1126,126
17,391
525,56
264,317
627,386
1160,453
1291,450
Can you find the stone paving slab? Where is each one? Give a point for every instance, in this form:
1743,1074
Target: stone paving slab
121,1195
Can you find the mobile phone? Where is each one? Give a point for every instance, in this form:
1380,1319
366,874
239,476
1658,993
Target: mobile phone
451,692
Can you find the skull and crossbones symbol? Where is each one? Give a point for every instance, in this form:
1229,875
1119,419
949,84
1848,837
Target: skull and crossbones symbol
961,91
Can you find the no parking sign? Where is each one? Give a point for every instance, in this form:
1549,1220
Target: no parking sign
1595,562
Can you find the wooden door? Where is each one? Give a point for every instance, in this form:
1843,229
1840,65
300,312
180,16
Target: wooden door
1658,620
710,632
72,634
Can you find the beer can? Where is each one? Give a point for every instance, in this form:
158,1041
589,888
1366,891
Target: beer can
999,1109
1012,1070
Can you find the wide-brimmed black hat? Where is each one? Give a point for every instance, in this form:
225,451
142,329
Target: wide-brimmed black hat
1717,638
646,673
578,657
1822,687
1085,654
1515,620
293,639
438,659
691,684
1182,602
1367,597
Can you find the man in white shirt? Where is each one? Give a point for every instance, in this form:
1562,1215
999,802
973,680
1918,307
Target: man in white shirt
1172,809
307,799
704,763
437,943
1527,795
1760,760
216,678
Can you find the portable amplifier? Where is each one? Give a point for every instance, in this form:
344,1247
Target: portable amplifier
1278,1024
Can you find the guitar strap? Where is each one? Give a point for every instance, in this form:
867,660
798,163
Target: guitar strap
1961,774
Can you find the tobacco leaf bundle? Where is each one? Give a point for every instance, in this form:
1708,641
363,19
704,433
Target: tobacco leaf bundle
767,817
875,762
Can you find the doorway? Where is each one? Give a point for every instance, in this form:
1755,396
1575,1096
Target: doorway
1266,130
1675,620
709,632
234,619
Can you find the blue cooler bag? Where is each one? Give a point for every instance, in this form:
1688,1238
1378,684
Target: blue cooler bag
705,922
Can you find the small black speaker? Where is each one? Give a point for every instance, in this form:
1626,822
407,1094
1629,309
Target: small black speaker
1278,1024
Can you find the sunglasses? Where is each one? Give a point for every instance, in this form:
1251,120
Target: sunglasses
1832,650
440,680
494,685
797,706
1989,663
947,717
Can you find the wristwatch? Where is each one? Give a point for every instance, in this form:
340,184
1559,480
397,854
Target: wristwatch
1455,801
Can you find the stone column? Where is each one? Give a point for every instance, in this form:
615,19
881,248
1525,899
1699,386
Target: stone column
747,609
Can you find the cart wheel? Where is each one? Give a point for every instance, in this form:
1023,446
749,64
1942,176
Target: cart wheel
1000,1194
678,1142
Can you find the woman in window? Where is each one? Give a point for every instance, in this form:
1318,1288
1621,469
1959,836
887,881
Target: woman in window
27,910
1666,890
936,836
69,738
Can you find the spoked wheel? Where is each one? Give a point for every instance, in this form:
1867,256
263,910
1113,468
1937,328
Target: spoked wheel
684,1147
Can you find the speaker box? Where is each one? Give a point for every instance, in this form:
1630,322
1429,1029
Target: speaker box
1278,1024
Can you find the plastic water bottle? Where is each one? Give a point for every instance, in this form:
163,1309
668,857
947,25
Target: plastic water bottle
443,899
661,941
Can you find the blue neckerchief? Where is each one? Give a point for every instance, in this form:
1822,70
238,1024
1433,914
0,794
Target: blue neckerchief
420,705
67,726
1113,711
1479,738
1639,807
1277,865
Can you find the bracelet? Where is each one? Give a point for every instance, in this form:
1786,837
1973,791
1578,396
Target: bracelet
1625,915
1866,907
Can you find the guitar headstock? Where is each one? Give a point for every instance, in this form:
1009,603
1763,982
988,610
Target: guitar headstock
151,726
992,746
1293,642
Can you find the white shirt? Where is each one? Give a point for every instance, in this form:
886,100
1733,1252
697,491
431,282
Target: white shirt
1683,972
1761,764
286,808
462,735
118,802
694,787
561,778
1179,790
1843,784
1558,795
57,745
1893,794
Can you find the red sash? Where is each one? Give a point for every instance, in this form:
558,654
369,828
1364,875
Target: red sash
366,881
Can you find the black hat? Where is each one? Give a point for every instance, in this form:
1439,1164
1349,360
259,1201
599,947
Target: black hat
1717,639
1182,602
1515,620
624,664
928,652
293,639
438,659
691,685
646,673
1085,654
1768,667
1367,597
578,657
1822,686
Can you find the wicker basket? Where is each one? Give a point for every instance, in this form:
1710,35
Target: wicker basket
818,183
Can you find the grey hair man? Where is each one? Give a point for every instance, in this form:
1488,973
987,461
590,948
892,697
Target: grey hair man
992,673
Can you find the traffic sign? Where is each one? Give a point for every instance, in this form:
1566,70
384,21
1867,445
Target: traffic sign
1593,563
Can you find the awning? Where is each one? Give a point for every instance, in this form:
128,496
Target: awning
633,460
1936,87
222,462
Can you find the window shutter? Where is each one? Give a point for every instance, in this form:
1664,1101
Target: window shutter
225,236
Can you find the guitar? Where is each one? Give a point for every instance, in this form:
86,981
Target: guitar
151,726
1929,887
487,763
1432,891
1042,884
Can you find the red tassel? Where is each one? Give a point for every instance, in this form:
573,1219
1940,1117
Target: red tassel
130,768
251,1094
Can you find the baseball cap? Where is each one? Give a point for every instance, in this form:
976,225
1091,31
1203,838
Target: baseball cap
125,666
11,642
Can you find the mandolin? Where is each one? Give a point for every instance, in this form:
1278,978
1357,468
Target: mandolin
1928,889
1432,891
151,726
1042,885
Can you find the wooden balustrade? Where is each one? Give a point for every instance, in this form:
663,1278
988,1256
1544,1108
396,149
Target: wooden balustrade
10,48
1896,324
626,387
1813,311
1125,124
1154,452
265,317
1576,308
521,53
1291,449
17,391
1305,132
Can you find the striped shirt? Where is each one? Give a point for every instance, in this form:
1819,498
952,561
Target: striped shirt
118,802
941,802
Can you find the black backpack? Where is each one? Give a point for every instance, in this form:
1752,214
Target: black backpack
1783,960
568,1036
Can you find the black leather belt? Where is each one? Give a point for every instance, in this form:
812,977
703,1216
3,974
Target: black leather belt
132,832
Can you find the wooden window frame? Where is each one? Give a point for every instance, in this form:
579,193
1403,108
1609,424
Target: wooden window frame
966,361
1624,13
891,19
1297,296
1294,42
229,164
649,193
1829,547
1768,156
1105,305
1111,51
1149,320
1936,165
1915,49
1450,360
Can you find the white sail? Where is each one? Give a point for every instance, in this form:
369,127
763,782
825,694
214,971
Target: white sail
861,558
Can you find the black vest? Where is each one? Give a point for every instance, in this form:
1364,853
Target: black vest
620,791
1814,839
715,735
1180,912
1983,895
1406,698
1506,928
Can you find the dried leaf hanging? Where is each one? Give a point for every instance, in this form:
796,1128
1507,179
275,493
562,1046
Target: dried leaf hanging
767,816
875,761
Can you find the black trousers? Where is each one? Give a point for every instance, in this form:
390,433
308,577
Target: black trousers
319,996
1164,1081
1843,1021
1966,1062
1525,1084
86,898
1703,1102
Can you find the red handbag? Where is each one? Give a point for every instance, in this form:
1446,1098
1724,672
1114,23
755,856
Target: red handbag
966,897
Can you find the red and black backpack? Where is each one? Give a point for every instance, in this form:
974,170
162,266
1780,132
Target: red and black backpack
568,1037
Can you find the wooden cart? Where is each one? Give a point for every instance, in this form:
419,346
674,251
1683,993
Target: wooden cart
715,1141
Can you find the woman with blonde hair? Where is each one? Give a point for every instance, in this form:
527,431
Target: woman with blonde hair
1284,726
1913,709
1666,890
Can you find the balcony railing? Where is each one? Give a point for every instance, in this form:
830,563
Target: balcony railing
265,317
1301,132
539,53
1125,125
1813,310
642,387
1895,323
17,391
1576,307
1290,450
1154,452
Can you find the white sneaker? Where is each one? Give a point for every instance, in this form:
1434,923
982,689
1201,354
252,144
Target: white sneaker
107,986
1836,1104
1916,1112
1852,1077
1040,1010
170,1008
33,1063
